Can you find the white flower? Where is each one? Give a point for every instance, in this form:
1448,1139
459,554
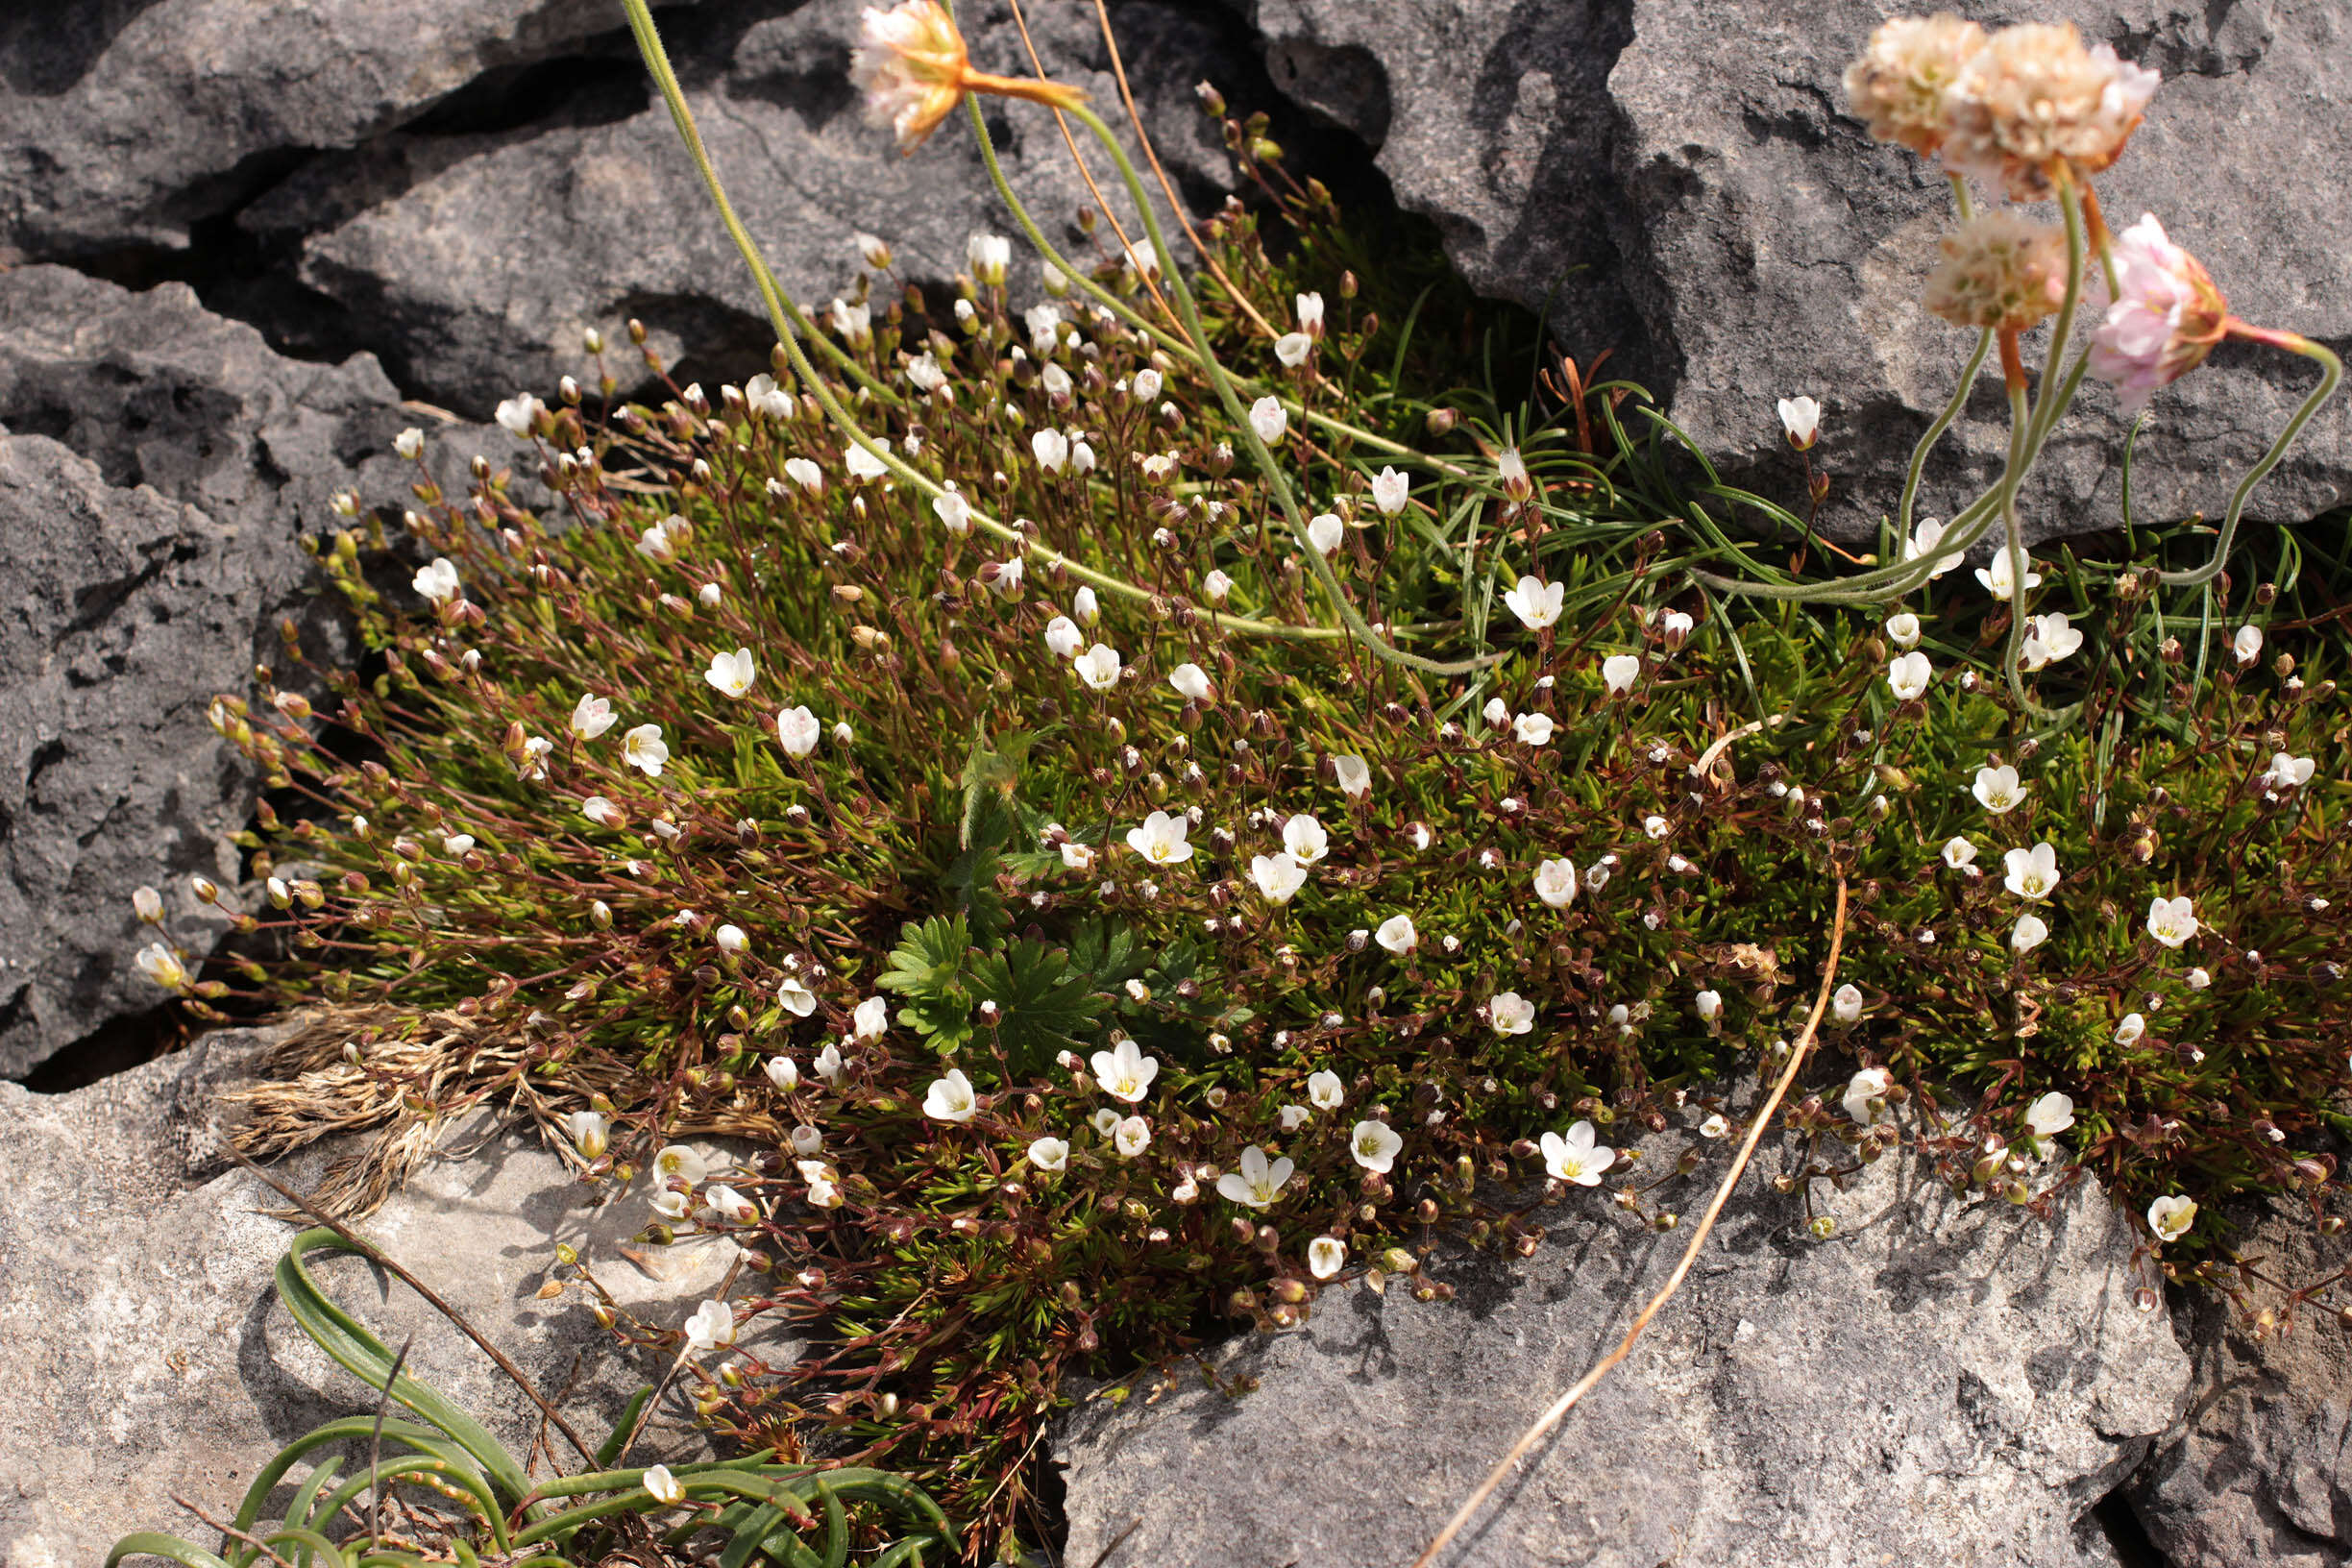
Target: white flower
806,473
589,1131
664,1485
1144,260
1555,882
1325,531
853,323
2170,1217
782,1070
2171,921
1161,840
807,1141
989,255
1192,682
2197,979
1397,933
731,939
1865,1099
519,413
794,996
1532,728
1715,1126
1131,1136
591,716
1996,789
438,581
1535,604
1374,1144
147,904
1908,674
1845,1006
2032,872
1311,313
2287,772
1063,637
1390,490
1294,1117
1257,1183
1076,856
641,749
659,542
1278,876
713,1324
670,1204
1676,626
1576,1158
871,1019
1099,667
1304,837
1325,1256
733,1208
1085,608
731,672
1269,420
1801,420
1619,672
1324,1090
1052,449
1926,539
2049,1116
1105,1121
2246,644
797,731
2054,636
1355,776
950,1098
602,812
829,1061
1709,1004
954,511
1904,630
1294,347
1048,1154
1216,586
679,1163
1124,1072
2001,578
2129,1031
1496,712
863,464
1147,384
2028,933
1958,853
1511,1013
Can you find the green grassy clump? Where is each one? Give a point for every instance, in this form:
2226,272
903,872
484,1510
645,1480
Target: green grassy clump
959,847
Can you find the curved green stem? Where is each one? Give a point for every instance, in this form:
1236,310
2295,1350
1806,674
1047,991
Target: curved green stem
1935,431
2330,372
1190,311
2013,541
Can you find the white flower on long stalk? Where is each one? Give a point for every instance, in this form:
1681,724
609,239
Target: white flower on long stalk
954,512
1269,420
1124,1072
1099,667
1353,774
853,323
1536,604
1374,1145
1292,349
732,674
1904,631
797,731
1390,490
712,1327
679,1163
2171,921
591,716
1619,672
2049,638
2247,644
782,1070
1396,933
1576,1158
1259,1181
1217,586
1924,541
2028,933
1801,422
2001,578
1162,839
518,415
950,1098
2033,873
1909,675
1325,531
438,581
1998,789
642,749
1192,682
1052,449
988,256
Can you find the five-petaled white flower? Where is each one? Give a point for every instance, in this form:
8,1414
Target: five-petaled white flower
1799,421
1532,728
1904,630
2129,1031
589,1131
1536,603
1958,853
1390,490
1325,531
1576,1158
437,581
794,996
1048,1153
1845,1006
2049,1116
1192,682
1325,1256
1305,839
732,672
1555,882
1278,876
2287,772
1324,1090
1511,1013
2170,1217
1099,667
797,731
950,1098
679,1163
2001,578
1619,672
1374,1145
1866,1096
1268,419
1052,449
1125,1072
1131,1136
2247,644
2171,921
2032,872
1292,349
1161,840
1353,772
2028,933
1908,674
1396,933
1996,789
2049,638
713,1324
1258,1182
870,1018
1925,541
519,413
641,749
591,716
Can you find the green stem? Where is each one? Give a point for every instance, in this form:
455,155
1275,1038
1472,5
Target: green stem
1190,311
2014,543
2330,372
1935,431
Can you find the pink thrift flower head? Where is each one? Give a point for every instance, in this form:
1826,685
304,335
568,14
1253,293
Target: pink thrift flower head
2035,107
2167,319
1901,81
2000,271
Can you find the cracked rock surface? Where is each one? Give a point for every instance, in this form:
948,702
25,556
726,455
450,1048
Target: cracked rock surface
1940,1383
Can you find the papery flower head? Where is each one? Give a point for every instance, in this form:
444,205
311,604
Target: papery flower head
2163,323
1902,81
2035,101
1124,1072
2001,271
1576,1158
1258,1182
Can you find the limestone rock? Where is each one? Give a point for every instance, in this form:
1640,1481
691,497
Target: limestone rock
1938,1383
139,1321
2255,1476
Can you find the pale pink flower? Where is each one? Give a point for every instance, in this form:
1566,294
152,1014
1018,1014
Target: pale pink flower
2165,322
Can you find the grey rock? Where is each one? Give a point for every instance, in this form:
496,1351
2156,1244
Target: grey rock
2257,1474
1940,1383
145,1348
1746,240
481,276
